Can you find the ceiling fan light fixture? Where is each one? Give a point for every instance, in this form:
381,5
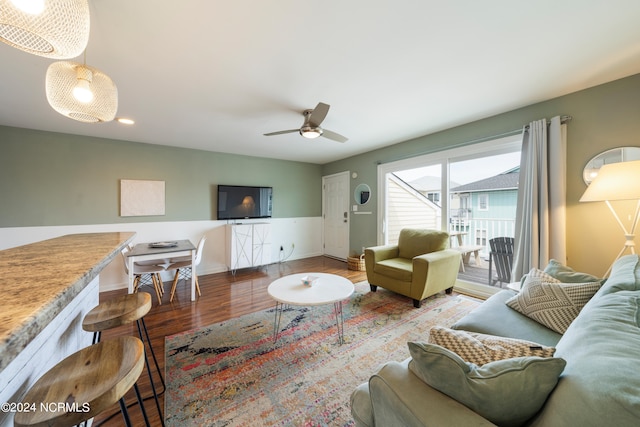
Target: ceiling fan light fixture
310,132
311,127
56,29
63,77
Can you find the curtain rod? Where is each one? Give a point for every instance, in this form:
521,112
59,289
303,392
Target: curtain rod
563,120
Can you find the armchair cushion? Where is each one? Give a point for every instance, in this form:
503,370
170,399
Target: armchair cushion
400,268
413,242
506,392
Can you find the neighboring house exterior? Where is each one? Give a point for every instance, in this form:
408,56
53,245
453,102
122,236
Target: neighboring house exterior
430,187
482,209
487,208
407,207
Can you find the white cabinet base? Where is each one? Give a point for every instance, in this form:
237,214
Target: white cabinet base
248,245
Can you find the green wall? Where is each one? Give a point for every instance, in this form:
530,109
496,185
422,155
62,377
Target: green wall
57,179
604,117
50,179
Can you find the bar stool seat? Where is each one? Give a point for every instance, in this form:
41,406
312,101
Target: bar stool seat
116,312
124,310
89,381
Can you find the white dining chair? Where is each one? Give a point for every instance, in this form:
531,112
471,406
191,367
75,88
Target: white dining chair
147,274
183,264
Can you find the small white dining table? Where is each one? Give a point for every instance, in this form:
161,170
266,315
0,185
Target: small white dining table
162,250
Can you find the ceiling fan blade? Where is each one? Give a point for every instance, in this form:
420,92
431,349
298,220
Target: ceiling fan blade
318,114
280,132
334,136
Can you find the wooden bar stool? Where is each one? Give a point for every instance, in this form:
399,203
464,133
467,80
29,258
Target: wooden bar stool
84,384
120,311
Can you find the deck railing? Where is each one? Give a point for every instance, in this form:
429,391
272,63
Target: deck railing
480,231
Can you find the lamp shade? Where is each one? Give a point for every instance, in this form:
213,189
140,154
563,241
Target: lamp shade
60,30
66,78
615,181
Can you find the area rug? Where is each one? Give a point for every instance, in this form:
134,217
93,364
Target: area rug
233,374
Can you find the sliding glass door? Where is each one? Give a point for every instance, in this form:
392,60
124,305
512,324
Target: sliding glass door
470,192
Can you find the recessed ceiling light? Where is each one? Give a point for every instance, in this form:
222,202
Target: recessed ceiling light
125,121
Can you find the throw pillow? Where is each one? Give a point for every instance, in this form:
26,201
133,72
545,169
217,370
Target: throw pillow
565,274
506,392
481,349
551,302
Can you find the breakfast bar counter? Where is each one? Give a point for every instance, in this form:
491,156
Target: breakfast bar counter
46,289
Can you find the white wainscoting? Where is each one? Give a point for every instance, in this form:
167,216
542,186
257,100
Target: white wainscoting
299,238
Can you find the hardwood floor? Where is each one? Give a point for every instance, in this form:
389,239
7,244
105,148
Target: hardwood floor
224,296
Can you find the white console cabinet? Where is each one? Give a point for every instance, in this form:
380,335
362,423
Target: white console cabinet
248,245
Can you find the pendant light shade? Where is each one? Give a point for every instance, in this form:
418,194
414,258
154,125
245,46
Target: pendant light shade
56,29
81,92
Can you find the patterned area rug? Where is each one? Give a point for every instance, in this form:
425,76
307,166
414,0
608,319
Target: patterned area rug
232,373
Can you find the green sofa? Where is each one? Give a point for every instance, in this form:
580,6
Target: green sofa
599,386
420,265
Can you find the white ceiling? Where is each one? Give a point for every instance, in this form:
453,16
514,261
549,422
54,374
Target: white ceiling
215,75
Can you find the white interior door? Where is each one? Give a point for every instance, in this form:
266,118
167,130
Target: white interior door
335,208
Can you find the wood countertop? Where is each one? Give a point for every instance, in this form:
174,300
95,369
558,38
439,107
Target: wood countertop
38,280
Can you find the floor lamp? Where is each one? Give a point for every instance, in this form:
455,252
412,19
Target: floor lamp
617,181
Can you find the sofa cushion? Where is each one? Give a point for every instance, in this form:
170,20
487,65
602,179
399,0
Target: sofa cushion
625,275
506,392
551,302
601,382
481,348
398,268
566,274
494,317
413,242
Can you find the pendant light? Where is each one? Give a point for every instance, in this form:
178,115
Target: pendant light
81,92
56,29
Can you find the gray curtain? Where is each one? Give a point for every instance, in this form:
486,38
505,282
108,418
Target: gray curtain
540,230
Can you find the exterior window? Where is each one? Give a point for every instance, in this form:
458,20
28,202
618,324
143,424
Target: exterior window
464,201
434,197
481,237
483,202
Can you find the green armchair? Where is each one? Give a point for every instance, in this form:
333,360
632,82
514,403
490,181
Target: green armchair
420,265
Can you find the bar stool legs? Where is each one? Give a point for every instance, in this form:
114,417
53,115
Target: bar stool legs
86,383
122,311
153,386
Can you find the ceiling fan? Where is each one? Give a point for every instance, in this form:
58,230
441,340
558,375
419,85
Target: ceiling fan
311,126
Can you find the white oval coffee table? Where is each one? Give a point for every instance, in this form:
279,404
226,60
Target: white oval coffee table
328,289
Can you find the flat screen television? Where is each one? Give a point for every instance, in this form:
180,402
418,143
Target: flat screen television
244,202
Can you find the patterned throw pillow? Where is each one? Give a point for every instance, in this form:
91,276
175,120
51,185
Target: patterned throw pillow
480,348
551,302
